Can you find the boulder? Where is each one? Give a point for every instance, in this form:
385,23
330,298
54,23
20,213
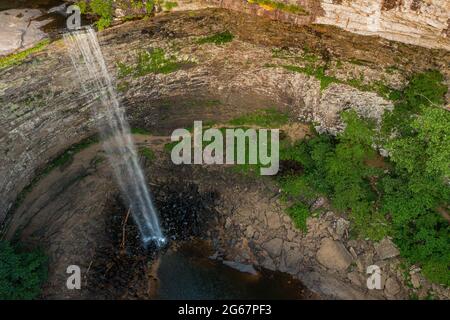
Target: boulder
391,287
273,220
342,227
386,249
333,255
273,247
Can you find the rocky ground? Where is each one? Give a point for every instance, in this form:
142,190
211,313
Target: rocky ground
76,215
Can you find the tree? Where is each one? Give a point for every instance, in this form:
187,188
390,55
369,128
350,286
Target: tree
21,273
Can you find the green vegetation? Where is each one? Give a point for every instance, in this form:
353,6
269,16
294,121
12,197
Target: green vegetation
83,5
320,74
402,196
21,273
218,38
149,5
17,58
270,4
139,131
103,9
154,61
265,118
313,65
299,212
169,5
147,153
337,167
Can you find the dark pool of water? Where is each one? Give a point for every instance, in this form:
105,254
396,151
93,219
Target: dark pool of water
188,273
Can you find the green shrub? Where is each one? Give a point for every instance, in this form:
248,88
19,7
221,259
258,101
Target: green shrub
399,198
169,5
423,89
299,213
218,38
103,9
149,5
147,153
21,273
155,61
265,118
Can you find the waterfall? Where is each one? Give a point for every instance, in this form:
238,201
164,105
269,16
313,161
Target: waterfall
95,81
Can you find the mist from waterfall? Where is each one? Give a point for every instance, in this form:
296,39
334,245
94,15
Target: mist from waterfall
95,80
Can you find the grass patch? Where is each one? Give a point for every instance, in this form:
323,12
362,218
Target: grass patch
218,38
299,213
169,5
147,153
318,73
140,131
266,118
154,61
271,5
102,9
325,80
17,58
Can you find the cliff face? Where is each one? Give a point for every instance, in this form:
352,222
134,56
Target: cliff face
43,113
419,22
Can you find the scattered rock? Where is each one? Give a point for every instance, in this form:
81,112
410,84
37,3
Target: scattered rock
415,280
273,220
269,264
273,247
342,227
319,203
360,265
391,287
227,223
333,255
249,232
353,252
386,249
290,235
355,278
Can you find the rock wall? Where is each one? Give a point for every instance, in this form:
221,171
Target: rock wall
419,22
42,111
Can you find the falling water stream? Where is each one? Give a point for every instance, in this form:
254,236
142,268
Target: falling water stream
114,130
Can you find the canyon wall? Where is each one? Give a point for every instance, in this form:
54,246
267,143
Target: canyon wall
419,22
43,112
